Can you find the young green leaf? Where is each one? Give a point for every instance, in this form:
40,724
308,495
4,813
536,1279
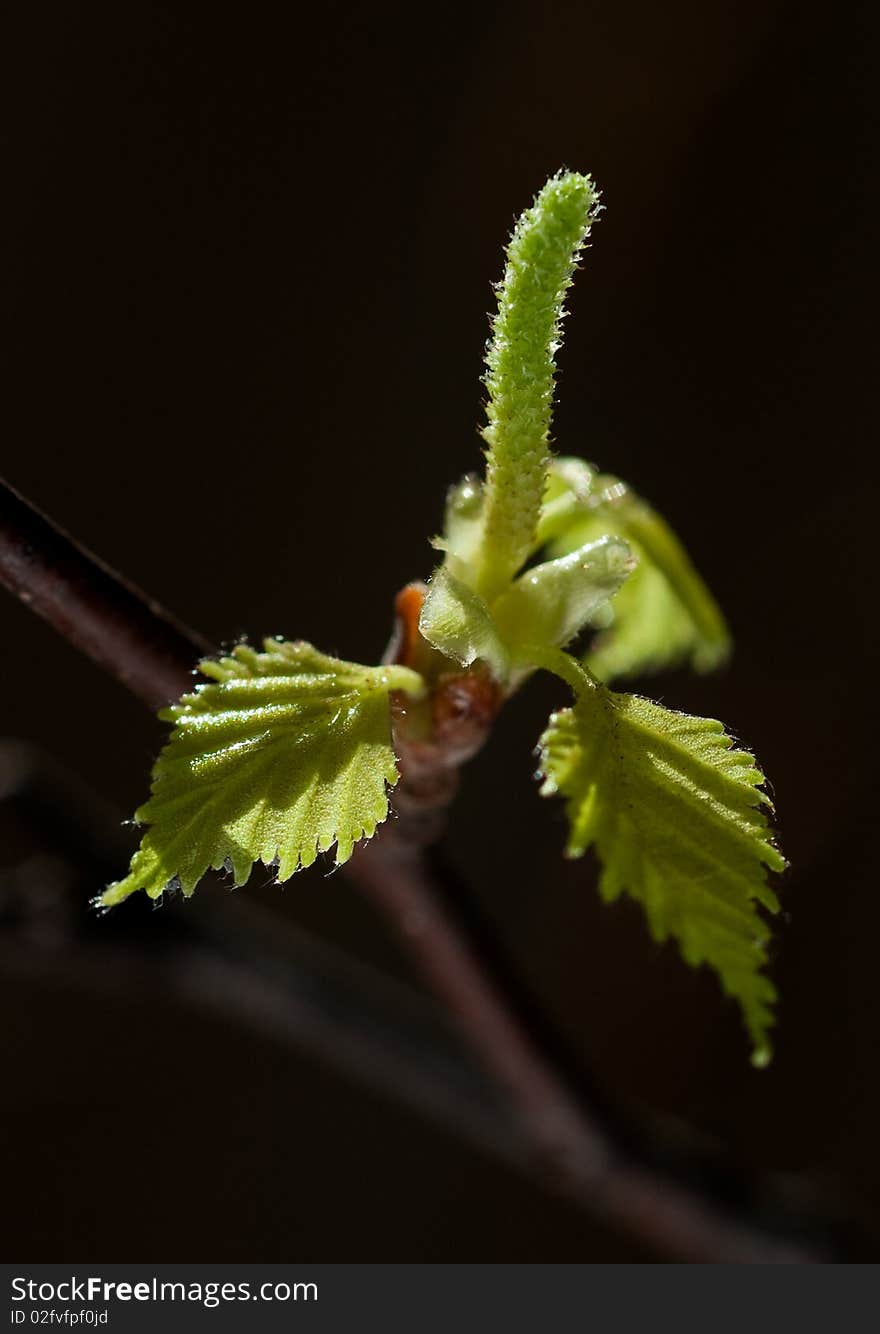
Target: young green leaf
649,630
543,251
665,614
552,603
281,755
456,620
567,497
548,605
678,820
462,528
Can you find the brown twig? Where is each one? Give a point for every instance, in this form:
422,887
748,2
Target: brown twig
570,1147
141,646
95,609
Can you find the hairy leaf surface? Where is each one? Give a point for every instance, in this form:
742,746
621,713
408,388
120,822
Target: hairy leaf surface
458,623
282,755
552,602
664,615
679,821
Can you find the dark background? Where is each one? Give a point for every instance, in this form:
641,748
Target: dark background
247,264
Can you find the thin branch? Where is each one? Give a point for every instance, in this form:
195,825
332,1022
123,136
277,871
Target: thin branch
227,952
141,646
576,1157
99,612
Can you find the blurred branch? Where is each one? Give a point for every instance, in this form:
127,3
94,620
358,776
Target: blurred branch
139,644
225,953
571,1149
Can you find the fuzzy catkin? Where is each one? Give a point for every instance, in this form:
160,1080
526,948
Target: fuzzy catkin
520,358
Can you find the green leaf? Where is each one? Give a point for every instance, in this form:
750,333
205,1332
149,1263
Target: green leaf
281,755
567,498
649,630
679,821
462,527
665,614
551,603
541,257
547,605
458,623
